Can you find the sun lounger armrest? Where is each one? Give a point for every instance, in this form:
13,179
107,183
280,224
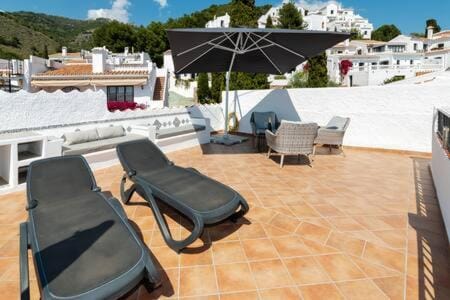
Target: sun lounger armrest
24,273
175,245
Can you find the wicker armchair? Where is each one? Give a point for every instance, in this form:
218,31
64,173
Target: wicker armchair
293,138
333,133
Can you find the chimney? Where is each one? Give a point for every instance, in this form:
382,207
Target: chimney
430,31
99,60
64,51
126,51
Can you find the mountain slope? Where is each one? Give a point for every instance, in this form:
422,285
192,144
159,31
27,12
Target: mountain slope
25,33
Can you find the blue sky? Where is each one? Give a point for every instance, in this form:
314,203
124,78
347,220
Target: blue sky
408,15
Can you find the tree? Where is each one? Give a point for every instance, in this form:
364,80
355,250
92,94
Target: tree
269,23
317,71
299,80
290,17
153,40
250,3
432,22
243,15
115,36
203,91
217,86
355,34
385,33
45,53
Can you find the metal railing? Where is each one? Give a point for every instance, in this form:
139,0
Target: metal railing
443,125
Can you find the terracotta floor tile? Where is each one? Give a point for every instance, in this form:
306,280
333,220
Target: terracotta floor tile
318,248
166,257
228,252
286,223
340,267
240,296
252,231
304,211
346,243
270,274
197,281
287,293
306,270
361,289
195,258
320,291
391,286
223,233
345,223
313,232
259,249
384,256
290,246
235,278
328,210
374,270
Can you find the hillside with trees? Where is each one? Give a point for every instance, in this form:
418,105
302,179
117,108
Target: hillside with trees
25,33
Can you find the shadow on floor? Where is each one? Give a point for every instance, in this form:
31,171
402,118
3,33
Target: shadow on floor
433,263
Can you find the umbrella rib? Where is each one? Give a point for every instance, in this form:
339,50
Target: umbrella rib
255,43
283,47
201,55
268,58
201,45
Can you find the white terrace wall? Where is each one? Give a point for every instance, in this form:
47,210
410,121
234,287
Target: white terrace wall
390,117
59,112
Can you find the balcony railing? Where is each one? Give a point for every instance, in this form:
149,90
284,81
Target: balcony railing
422,67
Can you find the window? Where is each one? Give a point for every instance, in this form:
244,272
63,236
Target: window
415,47
120,93
398,61
411,62
332,12
440,46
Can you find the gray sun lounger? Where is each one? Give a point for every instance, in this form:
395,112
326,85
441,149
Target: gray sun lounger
82,244
196,196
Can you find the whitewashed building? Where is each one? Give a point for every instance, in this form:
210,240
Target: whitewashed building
125,77
219,22
330,17
374,62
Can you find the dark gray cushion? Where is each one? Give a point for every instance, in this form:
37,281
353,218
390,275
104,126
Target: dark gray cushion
82,243
174,131
99,145
196,191
337,123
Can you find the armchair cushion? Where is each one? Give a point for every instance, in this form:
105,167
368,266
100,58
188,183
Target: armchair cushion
260,121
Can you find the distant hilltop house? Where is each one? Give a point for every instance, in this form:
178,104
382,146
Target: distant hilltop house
219,22
374,62
125,77
331,17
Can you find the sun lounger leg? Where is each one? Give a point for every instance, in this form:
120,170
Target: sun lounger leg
24,275
175,245
242,211
126,195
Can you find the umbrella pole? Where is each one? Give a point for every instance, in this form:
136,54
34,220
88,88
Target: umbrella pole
227,94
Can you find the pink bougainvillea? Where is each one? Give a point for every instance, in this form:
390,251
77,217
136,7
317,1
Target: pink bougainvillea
345,66
122,105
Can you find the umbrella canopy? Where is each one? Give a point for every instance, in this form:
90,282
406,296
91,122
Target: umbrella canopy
271,51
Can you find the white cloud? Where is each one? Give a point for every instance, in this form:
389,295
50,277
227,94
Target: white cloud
118,11
162,3
313,5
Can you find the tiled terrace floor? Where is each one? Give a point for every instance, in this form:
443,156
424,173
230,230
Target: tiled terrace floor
364,226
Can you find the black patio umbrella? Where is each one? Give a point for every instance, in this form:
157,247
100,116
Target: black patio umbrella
271,51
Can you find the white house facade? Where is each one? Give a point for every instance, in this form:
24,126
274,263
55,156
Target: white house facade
374,62
219,22
331,17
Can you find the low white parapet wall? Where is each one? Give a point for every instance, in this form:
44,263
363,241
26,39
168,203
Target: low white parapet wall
389,117
58,112
440,169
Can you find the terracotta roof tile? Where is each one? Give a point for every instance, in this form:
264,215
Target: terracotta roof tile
86,70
